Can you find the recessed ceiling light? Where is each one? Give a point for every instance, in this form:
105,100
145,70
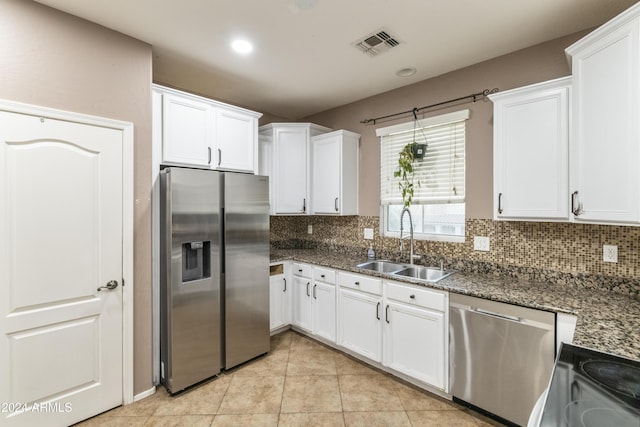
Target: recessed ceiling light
242,46
406,72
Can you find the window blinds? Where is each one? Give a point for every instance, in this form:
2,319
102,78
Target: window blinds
439,176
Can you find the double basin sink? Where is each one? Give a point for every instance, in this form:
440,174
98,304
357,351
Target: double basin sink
425,274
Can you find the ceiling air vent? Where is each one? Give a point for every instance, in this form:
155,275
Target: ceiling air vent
376,43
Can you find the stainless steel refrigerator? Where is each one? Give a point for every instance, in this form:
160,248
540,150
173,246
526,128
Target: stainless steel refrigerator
214,279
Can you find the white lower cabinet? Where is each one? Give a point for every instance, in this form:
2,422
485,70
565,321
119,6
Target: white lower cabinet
399,327
323,304
301,288
279,298
360,315
415,333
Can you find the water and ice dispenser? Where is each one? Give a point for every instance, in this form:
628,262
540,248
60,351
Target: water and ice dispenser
196,263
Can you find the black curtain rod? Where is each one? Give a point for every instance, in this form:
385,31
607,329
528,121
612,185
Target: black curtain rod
415,111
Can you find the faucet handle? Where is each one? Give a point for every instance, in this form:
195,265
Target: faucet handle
416,256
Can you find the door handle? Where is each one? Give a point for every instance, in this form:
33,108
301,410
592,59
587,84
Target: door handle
314,291
285,285
308,294
386,314
500,210
111,285
378,311
219,156
209,150
336,204
304,205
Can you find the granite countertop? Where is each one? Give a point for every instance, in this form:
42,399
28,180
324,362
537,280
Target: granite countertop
606,321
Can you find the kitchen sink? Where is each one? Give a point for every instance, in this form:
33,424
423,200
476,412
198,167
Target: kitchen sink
428,274
381,266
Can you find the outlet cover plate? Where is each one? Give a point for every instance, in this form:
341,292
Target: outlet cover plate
610,253
368,233
309,229
481,243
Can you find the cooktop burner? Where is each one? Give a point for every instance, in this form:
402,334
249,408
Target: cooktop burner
592,389
618,377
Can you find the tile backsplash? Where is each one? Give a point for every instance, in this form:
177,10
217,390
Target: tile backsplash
566,253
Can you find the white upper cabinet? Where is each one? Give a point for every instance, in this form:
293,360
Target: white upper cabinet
204,133
186,130
605,138
284,151
334,167
236,140
530,148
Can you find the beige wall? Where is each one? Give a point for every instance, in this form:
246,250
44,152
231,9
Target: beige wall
535,64
55,60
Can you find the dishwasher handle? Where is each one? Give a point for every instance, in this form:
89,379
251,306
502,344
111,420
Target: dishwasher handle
498,315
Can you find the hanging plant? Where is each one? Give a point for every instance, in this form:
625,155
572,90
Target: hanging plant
405,173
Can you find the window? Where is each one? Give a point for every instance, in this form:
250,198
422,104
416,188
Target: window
438,207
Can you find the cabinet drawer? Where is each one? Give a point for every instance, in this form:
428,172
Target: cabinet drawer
303,270
426,298
324,275
361,283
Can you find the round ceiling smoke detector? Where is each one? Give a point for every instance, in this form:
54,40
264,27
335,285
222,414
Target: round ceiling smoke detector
304,4
406,72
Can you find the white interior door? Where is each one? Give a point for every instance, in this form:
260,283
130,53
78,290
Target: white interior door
61,231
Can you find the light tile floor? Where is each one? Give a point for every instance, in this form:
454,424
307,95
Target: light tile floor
299,383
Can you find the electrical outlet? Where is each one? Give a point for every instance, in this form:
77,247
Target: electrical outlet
610,253
309,229
481,243
368,233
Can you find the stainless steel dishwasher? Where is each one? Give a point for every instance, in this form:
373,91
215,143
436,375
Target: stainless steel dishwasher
501,356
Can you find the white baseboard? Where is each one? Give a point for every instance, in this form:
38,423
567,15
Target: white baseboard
144,394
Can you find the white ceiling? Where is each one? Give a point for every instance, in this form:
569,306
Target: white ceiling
304,61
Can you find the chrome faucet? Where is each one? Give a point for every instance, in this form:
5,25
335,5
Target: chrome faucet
411,255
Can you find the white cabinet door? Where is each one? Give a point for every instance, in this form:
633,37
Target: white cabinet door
415,343
290,174
279,306
302,303
186,131
604,147
324,310
327,159
359,323
235,140
334,188
531,143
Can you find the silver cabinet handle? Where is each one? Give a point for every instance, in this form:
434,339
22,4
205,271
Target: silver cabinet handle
500,210
378,310
314,291
357,283
308,294
209,150
386,313
336,204
575,208
111,285
304,205
412,296
219,156
285,284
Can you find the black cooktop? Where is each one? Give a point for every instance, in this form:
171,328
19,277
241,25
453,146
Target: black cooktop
591,388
